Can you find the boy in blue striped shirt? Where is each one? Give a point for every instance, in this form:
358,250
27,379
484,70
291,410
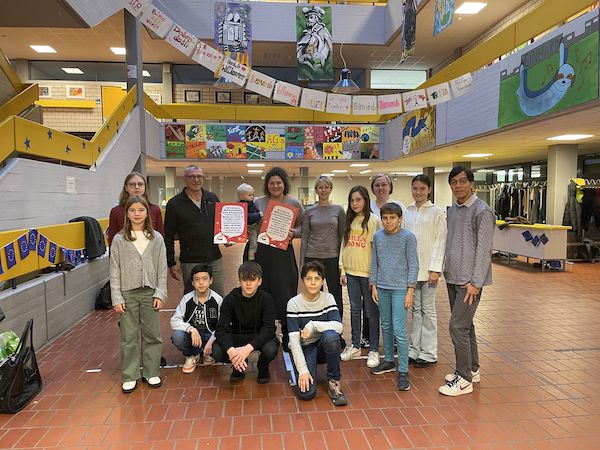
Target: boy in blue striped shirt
315,328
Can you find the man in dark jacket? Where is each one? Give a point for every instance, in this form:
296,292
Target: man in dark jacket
247,323
190,217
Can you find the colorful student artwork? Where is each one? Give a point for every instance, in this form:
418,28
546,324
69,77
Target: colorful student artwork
278,221
270,141
260,83
233,31
182,40
208,57
557,74
314,43
230,223
439,93
418,131
156,21
443,12
409,29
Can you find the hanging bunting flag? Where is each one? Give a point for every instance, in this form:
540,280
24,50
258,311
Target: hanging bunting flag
339,103
77,257
439,93
461,85
182,40
41,250
409,29
312,99
137,7
208,57
234,71
11,257
33,234
287,93
260,83
23,246
389,104
52,252
314,43
443,12
364,105
156,21
414,100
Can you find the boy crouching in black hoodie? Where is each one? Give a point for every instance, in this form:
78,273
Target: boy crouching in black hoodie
247,323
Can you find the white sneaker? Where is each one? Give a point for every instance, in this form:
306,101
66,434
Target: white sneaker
373,359
458,386
476,376
190,364
154,382
128,386
209,360
350,353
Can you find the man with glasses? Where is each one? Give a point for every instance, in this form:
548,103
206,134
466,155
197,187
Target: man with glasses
468,267
190,217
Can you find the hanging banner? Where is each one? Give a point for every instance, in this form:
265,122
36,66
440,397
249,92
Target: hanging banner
156,21
314,43
390,104
287,93
443,12
182,40
260,83
208,57
339,103
439,93
233,31
409,29
312,99
364,105
414,100
234,71
461,85
136,7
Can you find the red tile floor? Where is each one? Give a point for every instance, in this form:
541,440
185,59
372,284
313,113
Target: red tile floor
539,342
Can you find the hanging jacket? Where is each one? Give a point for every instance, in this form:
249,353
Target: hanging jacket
94,237
572,216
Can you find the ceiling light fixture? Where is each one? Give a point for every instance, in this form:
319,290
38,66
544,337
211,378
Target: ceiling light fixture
255,171
470,8
255,164
360,165
339,171
362,172
570,137
43,48
72,70
118,50
328,174
345,85
477,155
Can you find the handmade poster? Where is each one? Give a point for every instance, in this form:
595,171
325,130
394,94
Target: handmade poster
314,134
294,135
256,150
236,150
287,93
182,40
369,151
313,150
216,149
156,21
369,134
351,150
255,133
461,85
236,133
208,57
332,150
230,223
439,93
312,99
275,142
233,31
260,83
339,104
418,130
278,221
195,150
409,29
314,43
233,71
136,7
216,133
414,100
175,132
364,105
351,134
195,132
175,149
294,152
389,104
443,12
333,134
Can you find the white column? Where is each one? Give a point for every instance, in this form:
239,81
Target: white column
562,166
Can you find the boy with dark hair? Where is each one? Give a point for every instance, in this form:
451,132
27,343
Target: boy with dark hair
195,320
315,327
247,323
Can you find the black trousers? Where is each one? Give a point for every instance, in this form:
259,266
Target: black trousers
268,352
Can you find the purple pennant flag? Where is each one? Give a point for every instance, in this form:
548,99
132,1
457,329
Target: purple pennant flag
71,254
53,250
77,257
11,257
42,245
23,246
33,234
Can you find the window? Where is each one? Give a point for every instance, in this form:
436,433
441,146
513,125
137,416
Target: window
397,79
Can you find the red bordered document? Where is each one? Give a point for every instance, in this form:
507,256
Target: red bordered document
275,229
231,223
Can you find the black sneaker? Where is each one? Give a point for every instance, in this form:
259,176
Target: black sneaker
263,378
383,367
338,398
236,376
411,360
403,383
364,343
421,363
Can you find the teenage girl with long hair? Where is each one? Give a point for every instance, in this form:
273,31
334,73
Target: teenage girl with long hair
138,285
355,262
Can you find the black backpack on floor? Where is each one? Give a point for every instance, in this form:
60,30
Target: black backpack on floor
103,300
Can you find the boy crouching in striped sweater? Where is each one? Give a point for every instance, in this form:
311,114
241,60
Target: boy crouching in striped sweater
315,329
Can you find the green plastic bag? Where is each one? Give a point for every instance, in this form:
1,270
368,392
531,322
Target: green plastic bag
9,342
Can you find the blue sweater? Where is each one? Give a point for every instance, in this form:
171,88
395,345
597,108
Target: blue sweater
394,263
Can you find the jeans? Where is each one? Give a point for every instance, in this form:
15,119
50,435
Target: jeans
140,316
268,352
393,325
218,284
326,350
332,276
183,341
423,332
358,291
462,331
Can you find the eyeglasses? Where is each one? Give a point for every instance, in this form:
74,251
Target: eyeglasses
381,186
134,185
194,177
461,182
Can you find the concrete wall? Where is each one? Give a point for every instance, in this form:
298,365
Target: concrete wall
55,301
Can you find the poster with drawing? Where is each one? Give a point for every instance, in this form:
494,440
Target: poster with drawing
314,43
443,12
409,29
231,223
233,31
418,130
278,221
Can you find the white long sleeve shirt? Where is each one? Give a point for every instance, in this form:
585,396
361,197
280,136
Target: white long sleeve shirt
428,224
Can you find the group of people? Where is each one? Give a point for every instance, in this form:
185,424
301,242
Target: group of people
389,256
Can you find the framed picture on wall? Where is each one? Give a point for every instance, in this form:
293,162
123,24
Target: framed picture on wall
251,99
192,96
223,97
45,91
76,91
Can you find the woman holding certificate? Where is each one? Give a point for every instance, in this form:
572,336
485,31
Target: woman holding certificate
278,261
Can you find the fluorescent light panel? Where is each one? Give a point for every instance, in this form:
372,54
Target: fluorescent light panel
255,171
43,48
359,165
118,50
255,164
362,172
477,155
72,70
570,137
339,171
470,8
328,174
